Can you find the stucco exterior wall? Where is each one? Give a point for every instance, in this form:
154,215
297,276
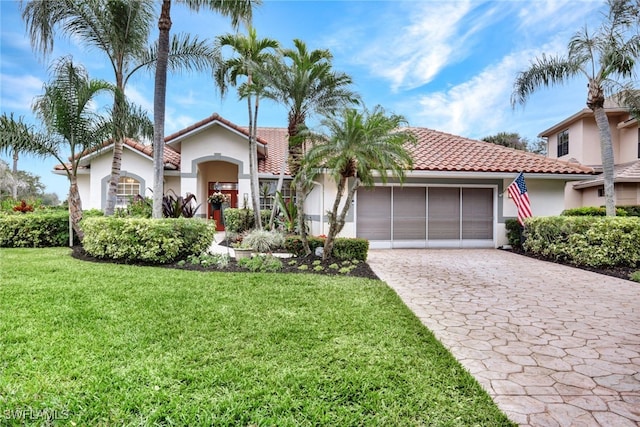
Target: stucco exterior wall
84,182
628,151
172,183
546,197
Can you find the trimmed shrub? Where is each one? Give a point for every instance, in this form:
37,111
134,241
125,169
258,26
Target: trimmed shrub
631,210
343,247
146,240
237,220
514,233
592,211
590,241
293,244
34,230
346,248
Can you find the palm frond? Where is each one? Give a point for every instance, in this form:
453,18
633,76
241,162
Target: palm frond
544,72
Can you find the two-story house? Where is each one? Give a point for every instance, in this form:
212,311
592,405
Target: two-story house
577,139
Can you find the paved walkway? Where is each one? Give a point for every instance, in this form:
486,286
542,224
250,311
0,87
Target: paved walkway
553,345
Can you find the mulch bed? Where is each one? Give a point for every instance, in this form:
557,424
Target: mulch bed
619,272
362,269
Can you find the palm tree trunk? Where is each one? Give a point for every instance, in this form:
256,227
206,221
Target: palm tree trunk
75,209
302,229
255,181
337,222
14,171
328,243
274,210
253,163
606,150
118,145
159,103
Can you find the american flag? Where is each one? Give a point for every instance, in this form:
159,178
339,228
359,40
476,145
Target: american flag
518,192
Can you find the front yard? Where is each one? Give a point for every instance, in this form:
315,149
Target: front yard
104,344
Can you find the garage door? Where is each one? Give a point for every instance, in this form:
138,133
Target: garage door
426,217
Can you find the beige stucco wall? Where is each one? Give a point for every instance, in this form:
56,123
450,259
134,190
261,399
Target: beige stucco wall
628,147
584,142
546,197
83,187
215,154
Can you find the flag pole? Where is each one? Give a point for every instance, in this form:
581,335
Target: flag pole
514,180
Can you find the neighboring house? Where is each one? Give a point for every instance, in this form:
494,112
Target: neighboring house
577,139
454,197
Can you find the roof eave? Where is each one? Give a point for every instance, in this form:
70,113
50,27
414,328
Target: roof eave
585,112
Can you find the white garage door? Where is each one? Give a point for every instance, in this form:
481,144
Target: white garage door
426,217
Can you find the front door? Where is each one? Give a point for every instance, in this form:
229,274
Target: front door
231,190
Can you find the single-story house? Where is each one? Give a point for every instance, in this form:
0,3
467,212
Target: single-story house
454,197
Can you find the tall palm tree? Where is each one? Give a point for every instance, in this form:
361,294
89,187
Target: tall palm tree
305,83
250,54
237,10
70,126
606,58
358,145
120,29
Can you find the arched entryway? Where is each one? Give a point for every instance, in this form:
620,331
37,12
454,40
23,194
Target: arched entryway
218,176
216,212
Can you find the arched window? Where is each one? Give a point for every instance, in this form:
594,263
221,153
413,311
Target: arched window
127,188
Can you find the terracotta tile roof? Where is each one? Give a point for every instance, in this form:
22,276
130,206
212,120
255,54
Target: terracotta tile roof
170,155
214,117
627,172
277,150
434,151
440,151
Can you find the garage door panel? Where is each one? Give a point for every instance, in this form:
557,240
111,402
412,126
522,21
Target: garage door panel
409,213
374,213
477,213
444,213
453,216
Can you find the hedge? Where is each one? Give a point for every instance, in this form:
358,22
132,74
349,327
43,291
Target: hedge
584,240
343,247
34,230
239,220
514,233
134,239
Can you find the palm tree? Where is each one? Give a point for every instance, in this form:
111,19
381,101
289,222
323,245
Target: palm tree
119,28
305,84
604,58
250,55
70,126
359,145
238,10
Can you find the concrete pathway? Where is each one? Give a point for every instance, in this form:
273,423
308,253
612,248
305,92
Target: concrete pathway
553,345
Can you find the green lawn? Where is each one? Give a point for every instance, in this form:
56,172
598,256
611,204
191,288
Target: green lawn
101,344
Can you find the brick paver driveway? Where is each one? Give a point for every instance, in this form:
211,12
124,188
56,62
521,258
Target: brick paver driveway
553,345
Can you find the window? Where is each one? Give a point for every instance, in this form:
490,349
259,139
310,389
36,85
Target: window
563,143
267,190
127,188
601,191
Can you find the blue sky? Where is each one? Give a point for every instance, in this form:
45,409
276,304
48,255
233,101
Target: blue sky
445,65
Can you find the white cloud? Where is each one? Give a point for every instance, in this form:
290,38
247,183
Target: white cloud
481,106
136,97
552,15
18,92
410,54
